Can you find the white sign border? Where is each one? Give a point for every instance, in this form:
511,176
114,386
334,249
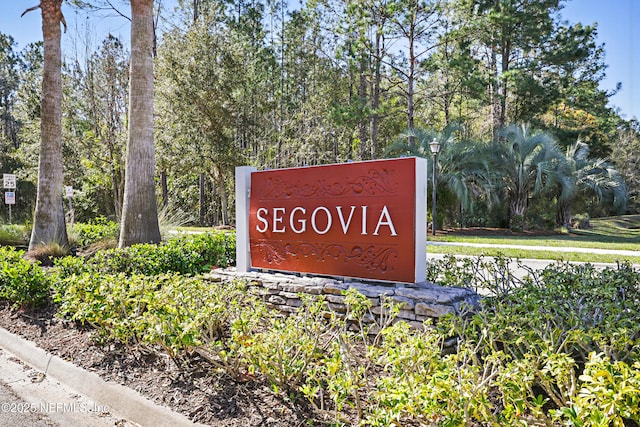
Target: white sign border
243,191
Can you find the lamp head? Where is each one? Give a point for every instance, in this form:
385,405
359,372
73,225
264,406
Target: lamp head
434,146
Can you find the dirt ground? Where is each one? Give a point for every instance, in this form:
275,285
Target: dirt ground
198,392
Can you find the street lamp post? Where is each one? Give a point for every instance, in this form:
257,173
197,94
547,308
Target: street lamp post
434,146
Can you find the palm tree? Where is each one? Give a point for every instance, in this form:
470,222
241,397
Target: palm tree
580,174
48,220
527,163
462,168
139,210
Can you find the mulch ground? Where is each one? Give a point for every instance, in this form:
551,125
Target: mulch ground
194,389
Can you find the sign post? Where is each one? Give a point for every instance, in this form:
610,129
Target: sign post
9,182
68,191
10,199
361,220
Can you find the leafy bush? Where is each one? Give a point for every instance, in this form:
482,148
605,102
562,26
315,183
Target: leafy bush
610,393
579,309
284,349
21,282
547,332
492,275
189,314
113,304
12,235
96,230
560,347
189,255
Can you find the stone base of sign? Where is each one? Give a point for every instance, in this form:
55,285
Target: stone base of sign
418,302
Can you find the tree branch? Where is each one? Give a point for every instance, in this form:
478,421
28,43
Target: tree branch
31,9
117,11
64,21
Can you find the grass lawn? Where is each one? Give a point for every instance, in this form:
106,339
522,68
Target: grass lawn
614,233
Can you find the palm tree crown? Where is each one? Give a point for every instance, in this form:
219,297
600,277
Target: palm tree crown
526,163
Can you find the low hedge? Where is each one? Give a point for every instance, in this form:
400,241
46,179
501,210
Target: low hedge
560,348
22,283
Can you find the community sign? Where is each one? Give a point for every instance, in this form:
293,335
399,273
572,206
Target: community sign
361,220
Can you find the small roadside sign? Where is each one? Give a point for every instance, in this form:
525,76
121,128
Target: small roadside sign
9,198
9,180
68,191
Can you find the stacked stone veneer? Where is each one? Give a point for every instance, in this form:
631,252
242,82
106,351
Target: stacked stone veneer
417,302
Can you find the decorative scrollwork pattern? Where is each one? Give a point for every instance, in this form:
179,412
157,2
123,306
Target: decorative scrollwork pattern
375,182
371,258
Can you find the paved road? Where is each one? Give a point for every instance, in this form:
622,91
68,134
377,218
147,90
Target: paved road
16,412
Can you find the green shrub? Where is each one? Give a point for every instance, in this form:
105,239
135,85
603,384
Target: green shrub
609,394
190,255
491,275
21,282
96,230
190,314
175,312
285,348
548,330
579,309
561,347
70,265
13,235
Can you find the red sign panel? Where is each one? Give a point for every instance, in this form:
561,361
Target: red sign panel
352,220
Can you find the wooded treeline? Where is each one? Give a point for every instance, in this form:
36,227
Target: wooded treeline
256,82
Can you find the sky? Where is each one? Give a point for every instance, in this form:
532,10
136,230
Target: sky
616,30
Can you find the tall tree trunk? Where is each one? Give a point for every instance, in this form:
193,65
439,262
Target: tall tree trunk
165,188
563,215
504,83
411,80
49,222
139,211
375,93
218,178
374,119
362,94
224,203
517,208
410,109
494,93
203,201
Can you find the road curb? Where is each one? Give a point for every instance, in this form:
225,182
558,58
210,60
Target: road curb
122,400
